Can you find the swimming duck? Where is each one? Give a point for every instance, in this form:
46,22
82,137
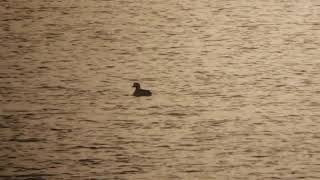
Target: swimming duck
140,92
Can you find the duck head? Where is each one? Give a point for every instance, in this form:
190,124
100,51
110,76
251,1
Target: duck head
136,85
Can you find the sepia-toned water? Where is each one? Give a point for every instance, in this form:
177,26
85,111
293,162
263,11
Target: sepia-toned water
235,83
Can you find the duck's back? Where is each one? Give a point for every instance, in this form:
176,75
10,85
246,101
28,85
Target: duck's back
142,92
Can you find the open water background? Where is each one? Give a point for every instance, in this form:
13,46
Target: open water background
236,87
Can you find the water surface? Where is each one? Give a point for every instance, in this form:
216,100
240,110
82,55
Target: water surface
236,92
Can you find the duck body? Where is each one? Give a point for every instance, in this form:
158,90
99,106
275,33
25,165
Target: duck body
140,92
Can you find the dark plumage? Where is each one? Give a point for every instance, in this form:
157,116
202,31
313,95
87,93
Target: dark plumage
140,92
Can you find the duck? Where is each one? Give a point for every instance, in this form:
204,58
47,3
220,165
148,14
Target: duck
140,92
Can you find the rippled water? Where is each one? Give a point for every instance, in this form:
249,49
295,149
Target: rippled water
235,83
